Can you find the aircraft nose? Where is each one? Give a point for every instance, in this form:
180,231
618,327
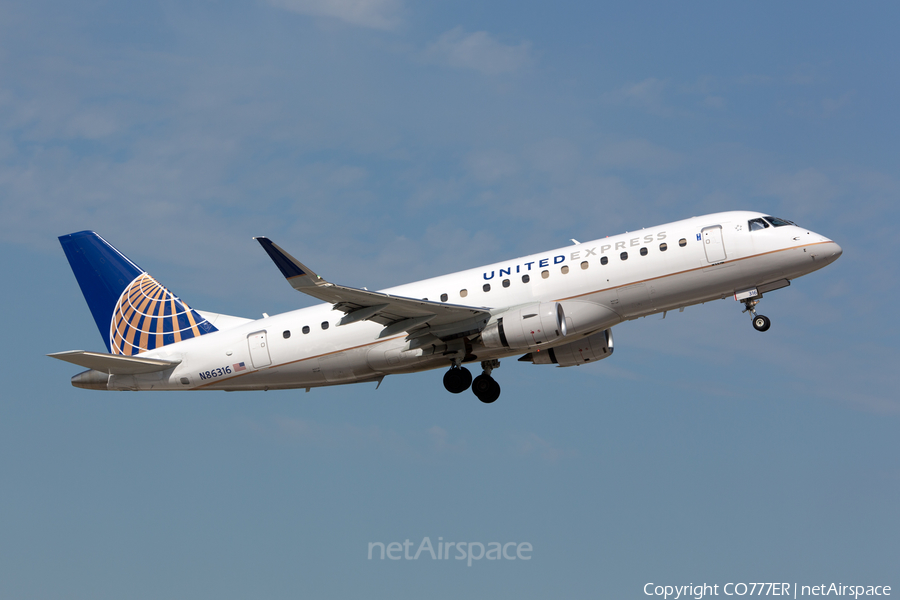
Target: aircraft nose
836,250
830,252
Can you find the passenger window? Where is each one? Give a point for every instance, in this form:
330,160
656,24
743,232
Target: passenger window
463,293
486,287
663,247
324,325
305,329
604,260
564,269
444,297
682,242
545,274
624,256
644,251
506,283
286,334
585,265
526,278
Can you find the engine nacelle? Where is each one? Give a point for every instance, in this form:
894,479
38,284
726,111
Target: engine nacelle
530,327
592,348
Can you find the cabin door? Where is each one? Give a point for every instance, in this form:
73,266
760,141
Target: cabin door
712,243
259,349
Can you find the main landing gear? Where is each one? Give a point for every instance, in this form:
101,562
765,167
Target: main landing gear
458,379
484,387
760,323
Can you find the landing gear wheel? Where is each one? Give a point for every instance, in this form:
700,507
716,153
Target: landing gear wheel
761,323
457,380
485,388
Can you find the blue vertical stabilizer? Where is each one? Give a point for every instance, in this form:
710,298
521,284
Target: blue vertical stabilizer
133,312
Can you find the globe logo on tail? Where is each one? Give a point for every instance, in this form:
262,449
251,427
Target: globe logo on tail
149,316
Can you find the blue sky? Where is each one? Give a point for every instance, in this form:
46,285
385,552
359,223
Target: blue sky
382,141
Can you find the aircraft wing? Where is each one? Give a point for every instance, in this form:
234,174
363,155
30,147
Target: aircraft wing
114,364
397,313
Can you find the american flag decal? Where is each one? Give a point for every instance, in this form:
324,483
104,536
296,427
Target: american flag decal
239,367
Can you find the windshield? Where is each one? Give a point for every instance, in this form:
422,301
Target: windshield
778,222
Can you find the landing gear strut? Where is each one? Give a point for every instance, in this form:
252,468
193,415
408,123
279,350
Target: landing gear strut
484,387
760,323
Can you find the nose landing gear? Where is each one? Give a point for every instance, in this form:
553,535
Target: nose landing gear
760,322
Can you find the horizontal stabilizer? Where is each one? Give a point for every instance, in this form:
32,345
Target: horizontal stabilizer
114,364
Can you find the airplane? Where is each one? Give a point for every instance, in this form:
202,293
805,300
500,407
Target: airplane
555,307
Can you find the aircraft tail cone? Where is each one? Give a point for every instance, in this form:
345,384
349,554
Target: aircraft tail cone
91,380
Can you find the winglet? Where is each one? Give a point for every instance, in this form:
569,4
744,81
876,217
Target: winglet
297,274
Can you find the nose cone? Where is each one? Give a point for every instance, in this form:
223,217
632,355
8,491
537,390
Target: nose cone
837,251
828,252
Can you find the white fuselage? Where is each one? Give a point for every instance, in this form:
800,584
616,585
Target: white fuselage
683,263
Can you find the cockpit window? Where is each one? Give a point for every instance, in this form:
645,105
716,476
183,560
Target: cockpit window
778,222
757,224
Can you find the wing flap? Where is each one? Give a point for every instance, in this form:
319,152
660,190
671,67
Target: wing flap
114,364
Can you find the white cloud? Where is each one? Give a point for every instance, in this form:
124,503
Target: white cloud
340,436
376,14
717,102
478,51
531,445
646,94
560,158
805,75
640,155
335,437
490,166
440,441
754,79
805,192
832,105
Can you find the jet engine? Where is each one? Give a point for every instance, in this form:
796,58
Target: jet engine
592,348
529,327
